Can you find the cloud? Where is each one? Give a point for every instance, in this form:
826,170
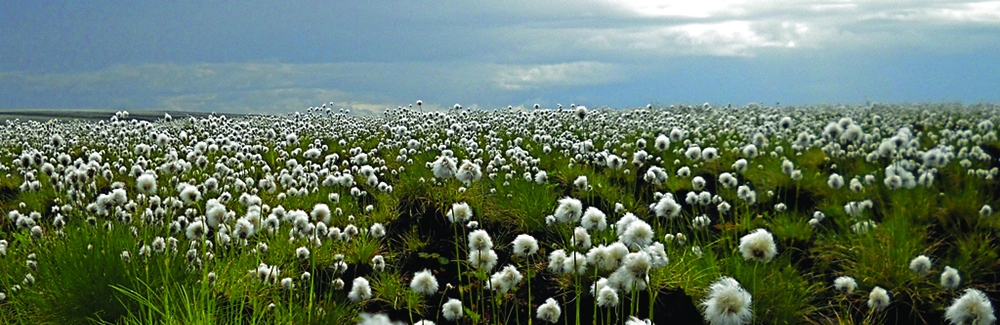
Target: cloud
517,77
283,87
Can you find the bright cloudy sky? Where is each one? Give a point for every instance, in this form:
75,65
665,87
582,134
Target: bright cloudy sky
280,56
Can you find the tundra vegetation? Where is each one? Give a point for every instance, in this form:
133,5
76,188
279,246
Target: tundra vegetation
665,214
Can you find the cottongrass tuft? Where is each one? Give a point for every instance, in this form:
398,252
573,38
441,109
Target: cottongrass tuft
878,299
972,308
479,240
376,319
504,280
556,259
758,245
632,320
950,278
424,283
607,297
483,259
525,245
360,290
452,310
377,230
594,218
845,284
460,212
302,253
920,264
569,210
727,303
639,234
575,263
549,311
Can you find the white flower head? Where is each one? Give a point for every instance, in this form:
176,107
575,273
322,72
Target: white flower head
549,311
758,245
483,259
594,218
569,210
878,299
452,310
920,264
460,212
479,240
360,290
424,283
973,307
950,278
525,245
727,303
845,284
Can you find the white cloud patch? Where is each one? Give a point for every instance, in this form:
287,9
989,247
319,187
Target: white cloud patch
517,77
746,28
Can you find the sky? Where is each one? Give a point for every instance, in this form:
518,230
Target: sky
283,56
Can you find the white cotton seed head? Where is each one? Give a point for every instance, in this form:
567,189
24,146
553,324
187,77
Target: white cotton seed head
878,299
424,283
973,307
758,245
920,264
525,245
593,218
950,278
569,210
452,310
360,290
485,260
460,212
549,311
479,240
727,303
845,284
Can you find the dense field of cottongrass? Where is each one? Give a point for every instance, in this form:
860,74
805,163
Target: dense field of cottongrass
683,214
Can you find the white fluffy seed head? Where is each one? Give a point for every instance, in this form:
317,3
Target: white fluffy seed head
758,245
424,283
973,307
452,310
727,303
549,311
878,299
920,264
525,245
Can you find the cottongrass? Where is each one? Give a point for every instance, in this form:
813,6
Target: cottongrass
360,290
505,280
758,245
460,212
376,319
950,278
452,310
845,284
727,303
607,297
479,240
424,283
973,308
632,320
569,210
484,260
525,245
594,218
920,264
549,311
878,299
